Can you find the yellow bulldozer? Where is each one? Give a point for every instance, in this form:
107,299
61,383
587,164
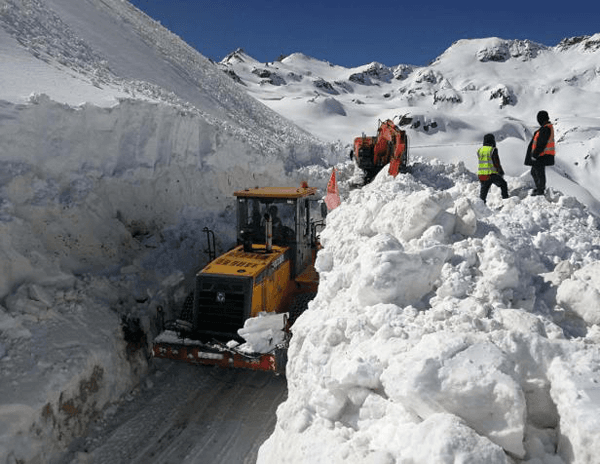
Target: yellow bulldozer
270,271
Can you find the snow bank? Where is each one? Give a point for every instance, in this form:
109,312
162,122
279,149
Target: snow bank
446,330
63,358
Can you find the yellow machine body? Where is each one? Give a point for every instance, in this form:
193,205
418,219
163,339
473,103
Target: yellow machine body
270,272
269,269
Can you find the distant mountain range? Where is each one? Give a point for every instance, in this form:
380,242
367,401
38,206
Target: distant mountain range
492,75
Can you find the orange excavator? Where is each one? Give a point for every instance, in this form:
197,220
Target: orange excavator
269,273
389,146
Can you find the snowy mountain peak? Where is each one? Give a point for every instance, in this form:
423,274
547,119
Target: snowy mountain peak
298,58
503,50
374,71
237,56
584,43
402,71
493,49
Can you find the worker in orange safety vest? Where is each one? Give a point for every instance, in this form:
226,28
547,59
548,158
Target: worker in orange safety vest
541,152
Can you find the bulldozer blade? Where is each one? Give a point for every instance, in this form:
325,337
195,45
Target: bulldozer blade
216,354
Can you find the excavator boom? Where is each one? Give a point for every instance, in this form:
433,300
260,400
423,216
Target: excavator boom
389,146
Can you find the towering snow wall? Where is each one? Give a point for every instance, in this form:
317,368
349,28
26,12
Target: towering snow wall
82,188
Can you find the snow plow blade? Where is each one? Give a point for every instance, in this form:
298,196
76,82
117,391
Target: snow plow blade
169,345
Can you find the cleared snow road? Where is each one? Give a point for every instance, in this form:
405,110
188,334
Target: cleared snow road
187,414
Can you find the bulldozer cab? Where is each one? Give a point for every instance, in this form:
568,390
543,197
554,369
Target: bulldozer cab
288,210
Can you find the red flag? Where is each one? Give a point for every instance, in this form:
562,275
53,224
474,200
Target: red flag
332,199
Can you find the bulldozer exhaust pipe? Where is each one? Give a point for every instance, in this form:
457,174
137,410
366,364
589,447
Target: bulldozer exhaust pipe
269,233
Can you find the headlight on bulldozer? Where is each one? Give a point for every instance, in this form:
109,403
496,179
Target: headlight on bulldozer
220,297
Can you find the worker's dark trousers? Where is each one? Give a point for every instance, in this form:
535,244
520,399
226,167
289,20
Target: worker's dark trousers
538,172
496,180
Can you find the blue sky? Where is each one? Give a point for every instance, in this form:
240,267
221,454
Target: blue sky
352,33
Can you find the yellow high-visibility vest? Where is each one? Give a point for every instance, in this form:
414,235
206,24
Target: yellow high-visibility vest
486,165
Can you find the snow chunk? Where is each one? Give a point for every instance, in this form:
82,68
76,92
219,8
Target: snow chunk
466,219
445,439
447,373
575,388
388,274
262,333
581,293
498,264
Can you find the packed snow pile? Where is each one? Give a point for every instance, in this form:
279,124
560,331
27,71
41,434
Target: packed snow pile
445,330
261,334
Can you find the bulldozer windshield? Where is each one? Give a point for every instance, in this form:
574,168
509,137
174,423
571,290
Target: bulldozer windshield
252,216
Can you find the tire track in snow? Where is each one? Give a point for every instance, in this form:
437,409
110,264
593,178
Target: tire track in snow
187,414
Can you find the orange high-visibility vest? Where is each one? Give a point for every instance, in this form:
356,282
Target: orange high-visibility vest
550,148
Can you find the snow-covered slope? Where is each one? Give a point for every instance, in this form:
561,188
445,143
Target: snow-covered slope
119,143
99,98
112,44
475,87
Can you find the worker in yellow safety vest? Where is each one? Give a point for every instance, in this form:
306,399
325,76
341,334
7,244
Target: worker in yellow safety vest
490,170
541,152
